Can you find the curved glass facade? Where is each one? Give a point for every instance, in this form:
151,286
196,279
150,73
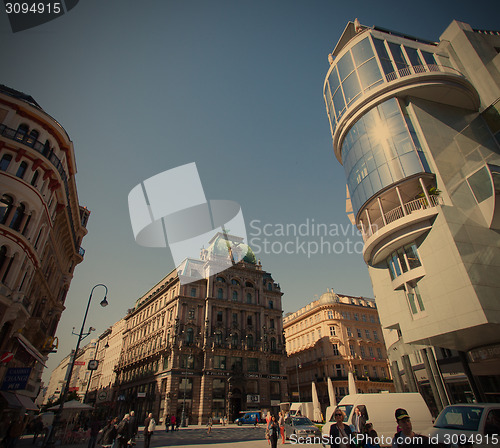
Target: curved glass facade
368,64
380,149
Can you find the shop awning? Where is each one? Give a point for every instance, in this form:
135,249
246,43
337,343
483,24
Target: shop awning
30,349
27,403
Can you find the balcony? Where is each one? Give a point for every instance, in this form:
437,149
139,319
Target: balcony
397,216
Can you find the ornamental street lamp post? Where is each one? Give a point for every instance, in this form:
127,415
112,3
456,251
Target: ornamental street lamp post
297,365
183,416
57,418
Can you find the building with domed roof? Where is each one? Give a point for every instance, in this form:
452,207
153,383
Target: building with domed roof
330,337
210,346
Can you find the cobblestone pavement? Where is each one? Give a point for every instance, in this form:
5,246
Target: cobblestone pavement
195,437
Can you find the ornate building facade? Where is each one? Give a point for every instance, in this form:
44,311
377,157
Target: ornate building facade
210,347
41,228
330,337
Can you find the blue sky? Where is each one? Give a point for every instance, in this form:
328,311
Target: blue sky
235,86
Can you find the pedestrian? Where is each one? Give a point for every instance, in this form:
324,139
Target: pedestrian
108,434
14,432
281,423
340,434
123,432
94,432
273,431
37,428
149,428
172,422
407,438
133,428
210,423
225,420
167,422
370,438
358,421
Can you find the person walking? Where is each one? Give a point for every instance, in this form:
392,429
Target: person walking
281,423
273,430
149,428
407,438
37,428
340,434
123,432
370,438
109,434
94,432
133,428
167,422
172,422
209,424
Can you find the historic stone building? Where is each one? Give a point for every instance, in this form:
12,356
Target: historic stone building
210,347
41,228
330,337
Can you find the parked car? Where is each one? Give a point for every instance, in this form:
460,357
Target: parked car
465,425
302,427
249,417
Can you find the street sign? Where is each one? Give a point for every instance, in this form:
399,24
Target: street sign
102,395
93,364
16,378
79,363
6,357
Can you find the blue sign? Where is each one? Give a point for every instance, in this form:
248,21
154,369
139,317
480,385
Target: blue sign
16,378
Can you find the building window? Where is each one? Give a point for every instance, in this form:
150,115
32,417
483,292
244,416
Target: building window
191,313
187,362
249,341
15,224
35,178
21,171
5,162
352,350
220,279
249,320
235,318
248,284
372,319
358,331
193,292
219,362
235,282
32,138
349,332
234,340
379,353
218,338
271,305
330,314
249,298
220,293
332,331
363,317
236,363
273,344
190,336
414,299
375,335
271,323
356,316
235,296
219,316
335,348
253,364
367,334
362,350
6,203
370,351
22,131
274,367
403,260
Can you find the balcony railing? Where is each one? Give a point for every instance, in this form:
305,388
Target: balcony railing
39,147
398,213
412,70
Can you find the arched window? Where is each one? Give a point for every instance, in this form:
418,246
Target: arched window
5,162
234,340
218,338
273,344
190,336
249,320
5,207
46,148
270,286
32,138
18,217
22,170
250,341
249,285
35,178
235,296
22,131
235,282
249,298
220,279
220,293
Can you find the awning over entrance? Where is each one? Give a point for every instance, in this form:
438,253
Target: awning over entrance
17,401
30,349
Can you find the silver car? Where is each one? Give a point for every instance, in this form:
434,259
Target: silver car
463,425
301,426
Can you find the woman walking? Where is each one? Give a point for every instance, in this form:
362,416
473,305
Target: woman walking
273,431
340,433
281,423
108,434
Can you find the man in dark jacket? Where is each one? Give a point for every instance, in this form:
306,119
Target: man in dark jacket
109,434
123,432
147,433
133,427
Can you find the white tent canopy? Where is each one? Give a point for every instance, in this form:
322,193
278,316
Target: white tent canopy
73,405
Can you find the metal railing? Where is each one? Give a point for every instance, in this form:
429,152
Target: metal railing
398,213
416,69
45,151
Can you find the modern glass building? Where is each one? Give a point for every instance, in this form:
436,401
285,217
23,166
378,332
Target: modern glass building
416,126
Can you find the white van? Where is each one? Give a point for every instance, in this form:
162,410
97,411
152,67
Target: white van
379,409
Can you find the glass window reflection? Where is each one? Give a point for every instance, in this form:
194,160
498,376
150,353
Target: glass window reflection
362,51
351,87
369,74
345,66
